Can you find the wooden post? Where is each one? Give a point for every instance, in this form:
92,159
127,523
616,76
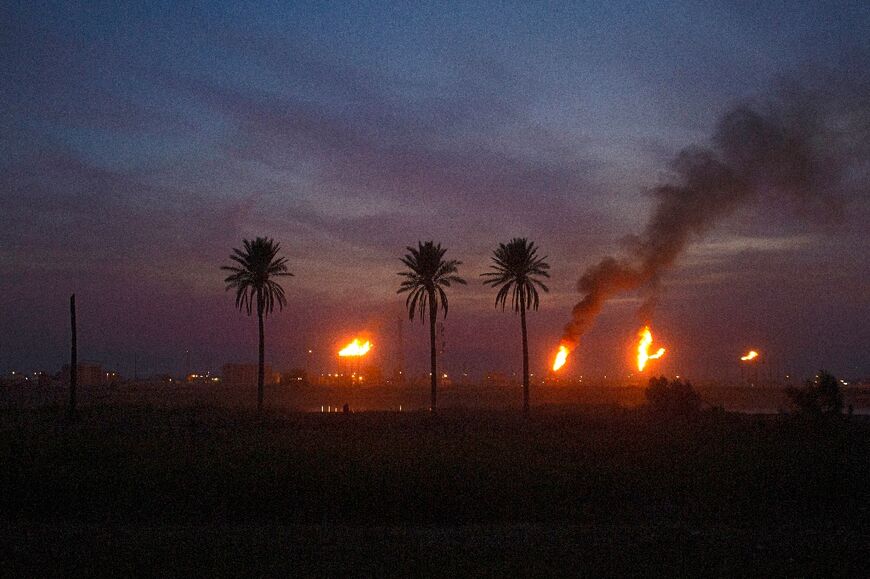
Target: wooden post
73,362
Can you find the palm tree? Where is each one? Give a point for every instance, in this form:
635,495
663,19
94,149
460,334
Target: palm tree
425,279
253,281
515,269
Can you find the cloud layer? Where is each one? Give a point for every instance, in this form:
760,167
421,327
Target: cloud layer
140,144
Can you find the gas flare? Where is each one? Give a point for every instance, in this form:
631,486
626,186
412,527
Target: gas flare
750,355
643,345
356,348
561,357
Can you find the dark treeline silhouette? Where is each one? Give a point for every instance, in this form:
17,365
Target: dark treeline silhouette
672,398
255,287
427,276
516,268
820,397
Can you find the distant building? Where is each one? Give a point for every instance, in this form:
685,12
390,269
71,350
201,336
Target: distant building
496,379
246,375
201,378
295,377
14,379
371,375
87,374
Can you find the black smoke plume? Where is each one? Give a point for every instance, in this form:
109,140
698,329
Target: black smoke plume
801,144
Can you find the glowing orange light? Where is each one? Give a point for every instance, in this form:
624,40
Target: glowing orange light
750,355
356,348
643,355
561,357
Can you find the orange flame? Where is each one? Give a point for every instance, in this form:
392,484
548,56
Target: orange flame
643,355
561,357
750,355
356,348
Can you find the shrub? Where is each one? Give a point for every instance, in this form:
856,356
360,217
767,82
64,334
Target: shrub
675,398
820,396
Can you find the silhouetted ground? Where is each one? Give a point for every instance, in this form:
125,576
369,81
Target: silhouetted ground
601,490
455,551
741,398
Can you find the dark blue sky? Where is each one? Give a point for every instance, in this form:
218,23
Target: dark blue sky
139,144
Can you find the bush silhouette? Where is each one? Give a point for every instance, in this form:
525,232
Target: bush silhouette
820,396
674,398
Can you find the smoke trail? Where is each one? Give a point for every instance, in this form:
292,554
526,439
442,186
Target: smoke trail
799,145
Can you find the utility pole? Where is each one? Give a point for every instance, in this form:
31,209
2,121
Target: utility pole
441,345
308,379
73,362
400,351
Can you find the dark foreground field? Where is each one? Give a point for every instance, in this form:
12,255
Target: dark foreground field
598,490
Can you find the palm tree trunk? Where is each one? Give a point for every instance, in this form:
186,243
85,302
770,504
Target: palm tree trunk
261,361
525,358
433,314
73,358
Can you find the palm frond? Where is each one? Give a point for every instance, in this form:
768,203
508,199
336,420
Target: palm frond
426,276
515,270
257,263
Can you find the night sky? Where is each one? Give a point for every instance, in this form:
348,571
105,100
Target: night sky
139,145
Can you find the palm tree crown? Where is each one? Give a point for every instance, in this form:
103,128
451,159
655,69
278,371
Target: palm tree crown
252,277
427,276
516,267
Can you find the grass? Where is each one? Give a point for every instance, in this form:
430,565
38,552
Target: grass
602,488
